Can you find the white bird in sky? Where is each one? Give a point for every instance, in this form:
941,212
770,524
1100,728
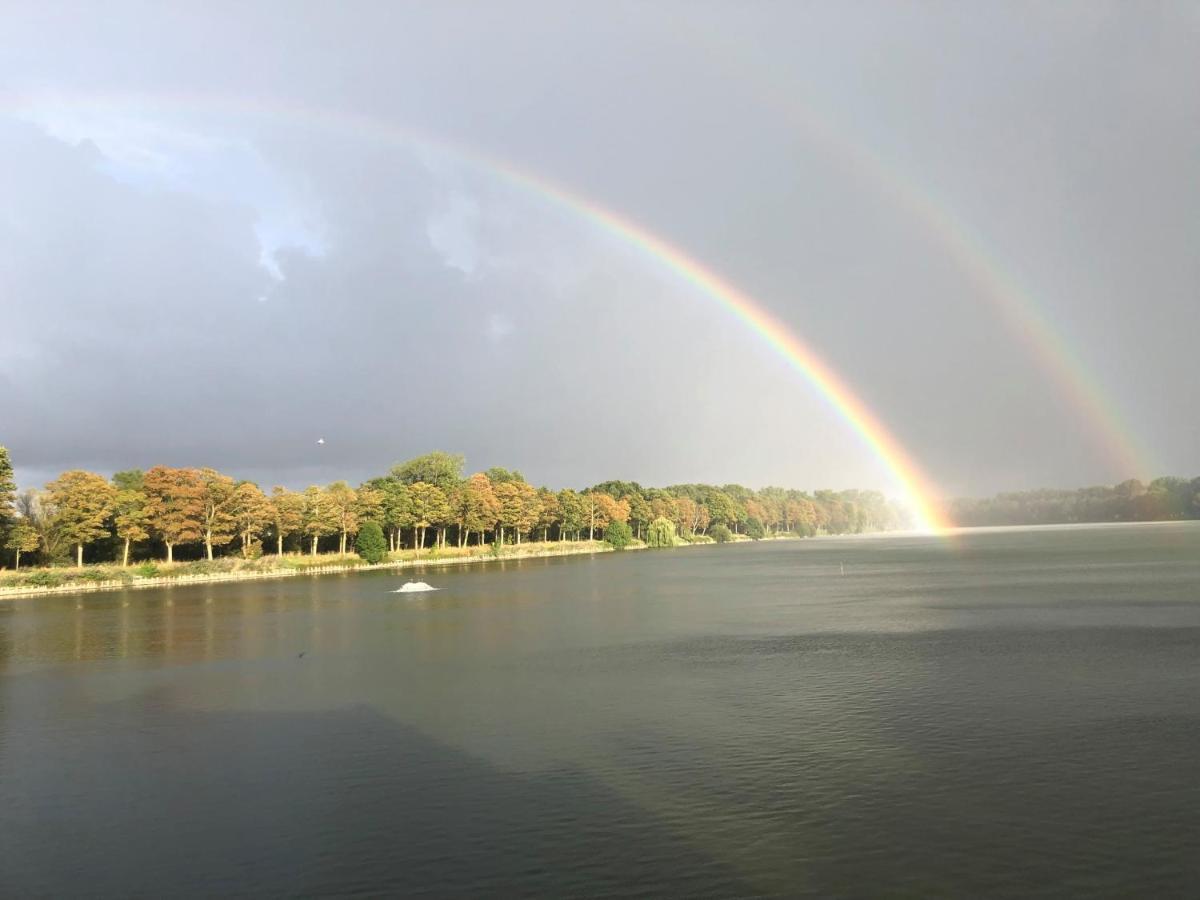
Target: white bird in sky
320,440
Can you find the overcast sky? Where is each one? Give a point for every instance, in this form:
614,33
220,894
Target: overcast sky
216,248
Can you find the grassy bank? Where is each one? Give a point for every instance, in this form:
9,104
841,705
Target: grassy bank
33,582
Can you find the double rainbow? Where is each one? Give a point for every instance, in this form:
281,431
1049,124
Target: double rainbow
1026,317
916,489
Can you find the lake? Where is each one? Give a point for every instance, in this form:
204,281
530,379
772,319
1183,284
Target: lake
1001,713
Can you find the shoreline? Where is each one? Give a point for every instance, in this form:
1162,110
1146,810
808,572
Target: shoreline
513,553
134,582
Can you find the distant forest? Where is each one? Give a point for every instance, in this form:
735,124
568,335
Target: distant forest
1163,499
185,513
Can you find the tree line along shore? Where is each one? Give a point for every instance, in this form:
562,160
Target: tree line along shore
157,520
1162,500
193,521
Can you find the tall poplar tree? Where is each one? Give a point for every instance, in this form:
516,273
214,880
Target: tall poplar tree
8,494
8,488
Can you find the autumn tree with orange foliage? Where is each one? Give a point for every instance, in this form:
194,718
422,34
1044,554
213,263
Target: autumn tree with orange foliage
174,505
252,514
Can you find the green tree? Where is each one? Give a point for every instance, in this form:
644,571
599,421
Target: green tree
755,510
618,534
454,500
83,501
7,497
572,513
664,506
721,533
498,475
8,489
640,514
721,508
442,470
129,480
397,507
370,543
401,503
618,488
755,529
429,507
661,533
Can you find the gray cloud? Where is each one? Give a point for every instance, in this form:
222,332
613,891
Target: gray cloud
191,271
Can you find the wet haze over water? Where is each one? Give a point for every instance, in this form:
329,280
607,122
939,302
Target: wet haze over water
1012,712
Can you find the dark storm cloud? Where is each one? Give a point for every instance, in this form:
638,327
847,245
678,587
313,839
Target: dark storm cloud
189,285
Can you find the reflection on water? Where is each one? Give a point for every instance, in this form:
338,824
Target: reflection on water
1007,713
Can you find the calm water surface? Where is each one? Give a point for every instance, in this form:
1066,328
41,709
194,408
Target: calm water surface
1012,713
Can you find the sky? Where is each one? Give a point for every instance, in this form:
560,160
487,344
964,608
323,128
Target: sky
231,230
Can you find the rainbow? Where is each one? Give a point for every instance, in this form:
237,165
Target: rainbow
916,489
1026,319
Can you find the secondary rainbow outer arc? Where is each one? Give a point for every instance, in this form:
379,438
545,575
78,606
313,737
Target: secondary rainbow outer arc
1022,314
917,488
